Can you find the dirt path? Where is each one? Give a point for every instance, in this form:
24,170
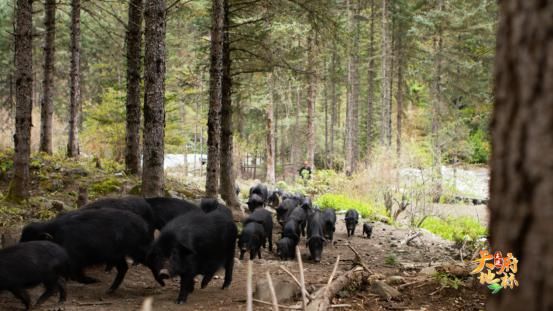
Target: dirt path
383,253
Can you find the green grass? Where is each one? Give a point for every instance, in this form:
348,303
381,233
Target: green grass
340,202
455,229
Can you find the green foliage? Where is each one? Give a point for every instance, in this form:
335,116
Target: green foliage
341,202
455,229
391,259
480,147
447,280
103,187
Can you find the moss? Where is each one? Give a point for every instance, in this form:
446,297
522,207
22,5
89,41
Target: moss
105,186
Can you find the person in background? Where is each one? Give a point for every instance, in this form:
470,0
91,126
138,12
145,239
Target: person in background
305,171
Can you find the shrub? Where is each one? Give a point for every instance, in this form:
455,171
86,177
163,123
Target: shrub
342,203
455,229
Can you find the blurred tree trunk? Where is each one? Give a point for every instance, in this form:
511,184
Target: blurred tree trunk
134,44
334,104
75,81
385,134
399,94
20,185
370,84
227,174
437,112
270,149
352,115
47,105
348,139
311,95
325,107
215,98
521,184
154,101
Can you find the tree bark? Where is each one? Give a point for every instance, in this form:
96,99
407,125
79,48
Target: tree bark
352,115
46,105
521,184
20,185
75,81
333,112
215,98
370,84
311,97
228,176
133,104
436,112
270,150
399,96
154,102
385,136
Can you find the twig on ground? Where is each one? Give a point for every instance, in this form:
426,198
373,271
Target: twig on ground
411,237
249,306
273,294
412,283
358,256
280,306
295,280
302,279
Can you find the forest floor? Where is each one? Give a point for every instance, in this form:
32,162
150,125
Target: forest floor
383,253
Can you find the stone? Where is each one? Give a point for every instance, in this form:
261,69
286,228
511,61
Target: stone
395,280
284,290
384,290
428,271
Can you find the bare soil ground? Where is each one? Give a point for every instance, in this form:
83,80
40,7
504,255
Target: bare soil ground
377,253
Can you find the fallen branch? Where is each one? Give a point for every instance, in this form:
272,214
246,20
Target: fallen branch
325,303
295,280
249,305
147,304
359,259
409,284
280,306
302,279
273,294
323,296
411,238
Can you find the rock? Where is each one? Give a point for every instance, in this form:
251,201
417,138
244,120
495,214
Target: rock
376,277
455,270
285,291
395,280
384,290
58,206
428,271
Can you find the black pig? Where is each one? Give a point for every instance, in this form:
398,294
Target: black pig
29,264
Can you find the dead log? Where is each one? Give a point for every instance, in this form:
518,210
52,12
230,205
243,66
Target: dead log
322,299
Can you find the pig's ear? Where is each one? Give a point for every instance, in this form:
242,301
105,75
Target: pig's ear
46,236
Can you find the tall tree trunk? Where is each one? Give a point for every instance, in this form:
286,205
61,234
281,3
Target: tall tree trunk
521,170
325,106
134,44
215,98
352,115
334,104
75,80
437,111
296,147
270,150
20,185
227,174
399,96
355,91
311,97
370,84
46,105
154,102
385,136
